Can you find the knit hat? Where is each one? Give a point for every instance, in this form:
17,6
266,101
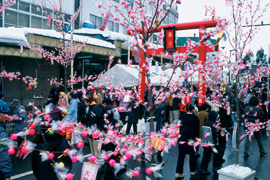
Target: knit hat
62,93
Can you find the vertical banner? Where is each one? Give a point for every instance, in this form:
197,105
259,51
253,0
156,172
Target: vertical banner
105,21
141,86
234,135
169,39
201,80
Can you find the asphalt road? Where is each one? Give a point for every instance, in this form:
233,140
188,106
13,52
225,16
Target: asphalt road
22,168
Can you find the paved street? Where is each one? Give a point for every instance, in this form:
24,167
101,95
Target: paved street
255,162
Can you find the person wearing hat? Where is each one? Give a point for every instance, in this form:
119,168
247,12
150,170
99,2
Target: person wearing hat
73,108
3,106
62,100
21,116
5,161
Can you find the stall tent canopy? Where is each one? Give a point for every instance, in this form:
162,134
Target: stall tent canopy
128,76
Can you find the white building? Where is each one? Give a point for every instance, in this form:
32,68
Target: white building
25,13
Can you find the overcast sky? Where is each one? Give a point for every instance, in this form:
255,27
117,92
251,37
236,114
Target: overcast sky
193,10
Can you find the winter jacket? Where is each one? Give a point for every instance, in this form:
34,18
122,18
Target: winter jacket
212,117
20,123
108,110
133,116
81,111
4,106
248,98
175,103
252,114
203,117
232,103
189,131
5,161
44,170
158,116
72,110
55,92
225,119
95,115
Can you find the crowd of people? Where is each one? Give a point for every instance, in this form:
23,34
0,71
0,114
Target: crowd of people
123,107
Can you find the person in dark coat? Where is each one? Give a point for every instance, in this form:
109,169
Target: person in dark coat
225,120
4,107
133,116
94,117
44,170
158,108
20,118
51,143
159,119
89,105
55,91
81,112
5,161
174,109
252,114
207,151
107,108
189,131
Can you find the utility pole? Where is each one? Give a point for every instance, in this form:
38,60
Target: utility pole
72,60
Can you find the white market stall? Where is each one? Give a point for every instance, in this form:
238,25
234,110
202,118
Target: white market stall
128,76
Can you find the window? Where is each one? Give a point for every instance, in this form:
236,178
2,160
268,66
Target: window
23,20
23,6
14,6
10,18
116,27
35,22
96,21
93,20
110,26
155,38
45,26
36,10
171,18
20,16
124,30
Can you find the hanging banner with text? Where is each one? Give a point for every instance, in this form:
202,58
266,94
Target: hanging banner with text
169,39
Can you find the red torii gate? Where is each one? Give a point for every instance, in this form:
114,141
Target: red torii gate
202,49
